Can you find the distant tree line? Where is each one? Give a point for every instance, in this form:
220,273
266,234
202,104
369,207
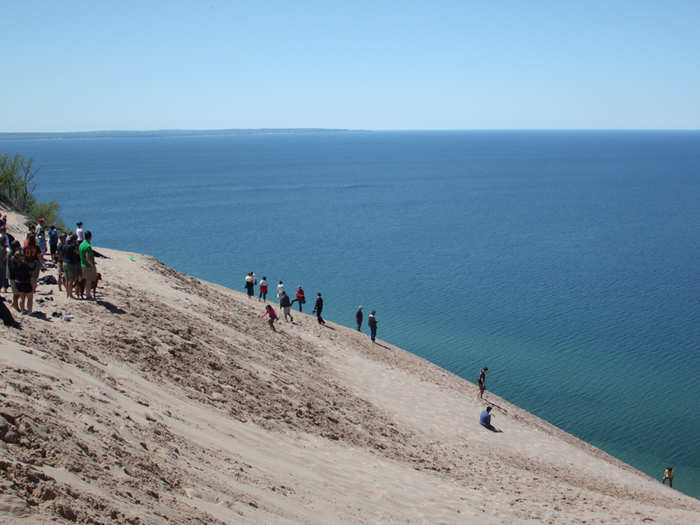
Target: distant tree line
17,187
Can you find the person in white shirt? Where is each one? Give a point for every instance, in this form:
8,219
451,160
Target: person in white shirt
263,289
79,231
280,289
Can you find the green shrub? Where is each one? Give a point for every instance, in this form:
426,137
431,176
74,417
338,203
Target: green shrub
17,188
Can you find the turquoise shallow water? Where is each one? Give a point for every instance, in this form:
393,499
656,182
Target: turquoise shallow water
566,262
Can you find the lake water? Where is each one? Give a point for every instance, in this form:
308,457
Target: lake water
566,262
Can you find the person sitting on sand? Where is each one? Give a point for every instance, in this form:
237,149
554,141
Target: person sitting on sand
286,306
485,420
271,316
668,475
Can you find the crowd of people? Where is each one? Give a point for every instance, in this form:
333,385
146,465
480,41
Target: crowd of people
21,262
286,303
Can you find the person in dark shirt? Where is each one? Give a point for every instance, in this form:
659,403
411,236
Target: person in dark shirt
21,275
358,318
372,323
286,306
318,308
482,382
71,264
53,243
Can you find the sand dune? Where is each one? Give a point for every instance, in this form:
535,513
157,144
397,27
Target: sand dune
169,400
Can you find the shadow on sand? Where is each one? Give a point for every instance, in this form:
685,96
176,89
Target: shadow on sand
109,306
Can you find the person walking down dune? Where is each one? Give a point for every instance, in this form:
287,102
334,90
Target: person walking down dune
372,323
263,289
358,318
300,298
271,316
286,306
318,308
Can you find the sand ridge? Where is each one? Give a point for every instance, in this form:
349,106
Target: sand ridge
168,400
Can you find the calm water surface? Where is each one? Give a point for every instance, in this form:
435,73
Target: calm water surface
566,262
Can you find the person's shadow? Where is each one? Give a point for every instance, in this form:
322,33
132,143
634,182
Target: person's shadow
492,428
109,306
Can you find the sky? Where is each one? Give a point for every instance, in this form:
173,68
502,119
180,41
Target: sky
537,64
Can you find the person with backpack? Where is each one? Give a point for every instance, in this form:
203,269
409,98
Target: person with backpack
53,243
286,305
318,308
372,323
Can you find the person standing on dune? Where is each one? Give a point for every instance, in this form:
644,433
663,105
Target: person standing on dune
318,308
263,289
358,318
372,323
668,475
482,382
280,289
250,284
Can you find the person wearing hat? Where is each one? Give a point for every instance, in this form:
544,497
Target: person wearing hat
358,318
79,232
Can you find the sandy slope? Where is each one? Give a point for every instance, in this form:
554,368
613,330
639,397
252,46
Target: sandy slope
170,401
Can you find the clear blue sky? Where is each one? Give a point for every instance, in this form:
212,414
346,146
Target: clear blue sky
374,65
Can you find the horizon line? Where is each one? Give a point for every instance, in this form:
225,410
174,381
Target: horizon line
319,129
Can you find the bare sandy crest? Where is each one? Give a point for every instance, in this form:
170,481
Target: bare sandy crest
169,400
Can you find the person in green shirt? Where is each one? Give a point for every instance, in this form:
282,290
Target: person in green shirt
87,263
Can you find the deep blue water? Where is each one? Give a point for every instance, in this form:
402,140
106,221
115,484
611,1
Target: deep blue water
566,262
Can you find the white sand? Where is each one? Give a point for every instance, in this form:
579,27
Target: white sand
171,401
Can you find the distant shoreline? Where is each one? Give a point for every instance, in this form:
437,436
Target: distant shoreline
58,135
